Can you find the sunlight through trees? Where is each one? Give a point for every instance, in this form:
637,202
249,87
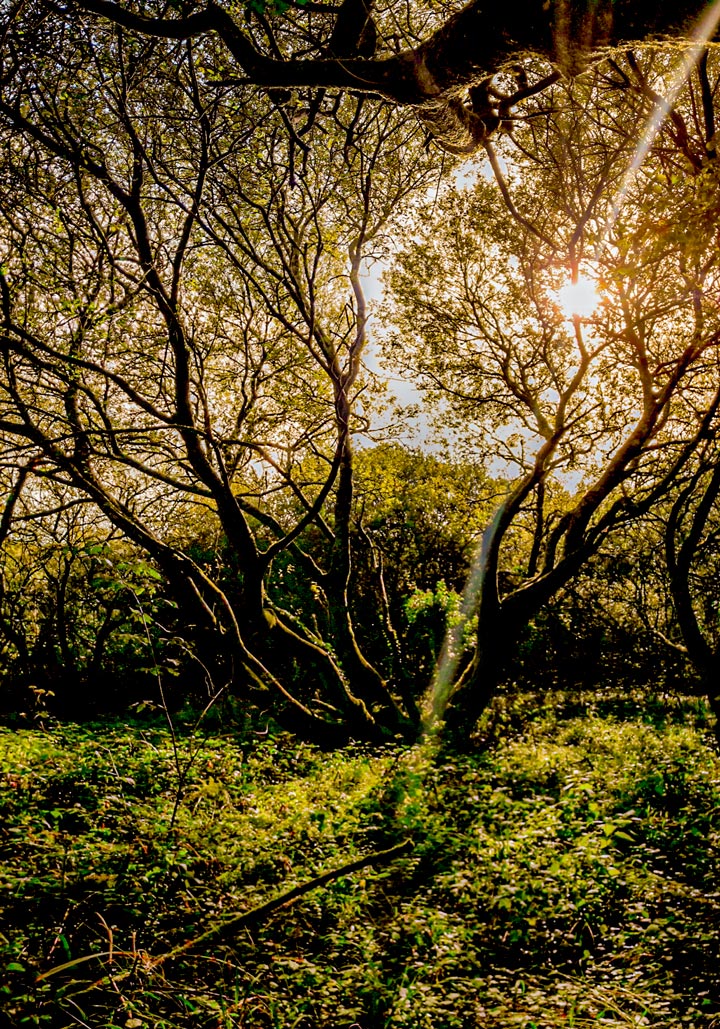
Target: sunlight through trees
190,200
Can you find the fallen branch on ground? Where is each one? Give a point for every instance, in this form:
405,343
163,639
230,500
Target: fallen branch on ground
244,919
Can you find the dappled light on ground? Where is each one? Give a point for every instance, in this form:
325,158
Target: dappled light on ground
566,875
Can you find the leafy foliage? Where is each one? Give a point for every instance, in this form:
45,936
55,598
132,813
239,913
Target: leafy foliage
75,608
564,877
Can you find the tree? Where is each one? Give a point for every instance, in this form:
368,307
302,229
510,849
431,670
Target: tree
598,414
183,330
79,607
406,53
419,517
691,537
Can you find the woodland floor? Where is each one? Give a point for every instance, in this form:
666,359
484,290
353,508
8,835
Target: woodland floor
564,874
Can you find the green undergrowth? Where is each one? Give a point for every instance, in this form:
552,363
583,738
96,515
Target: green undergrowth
566,874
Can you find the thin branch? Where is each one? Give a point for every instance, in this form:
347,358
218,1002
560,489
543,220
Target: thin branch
254,915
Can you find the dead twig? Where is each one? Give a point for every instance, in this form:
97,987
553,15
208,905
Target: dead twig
240,921
282,900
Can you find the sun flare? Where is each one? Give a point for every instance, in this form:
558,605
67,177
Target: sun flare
579,298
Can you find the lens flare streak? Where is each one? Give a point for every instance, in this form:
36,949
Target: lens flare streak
703,32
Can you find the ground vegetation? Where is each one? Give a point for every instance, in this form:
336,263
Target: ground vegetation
564,874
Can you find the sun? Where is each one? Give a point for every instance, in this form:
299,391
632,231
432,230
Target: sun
579,299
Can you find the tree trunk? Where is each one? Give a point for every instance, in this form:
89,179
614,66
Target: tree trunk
478,685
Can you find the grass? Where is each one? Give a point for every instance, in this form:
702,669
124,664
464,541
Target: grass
566,875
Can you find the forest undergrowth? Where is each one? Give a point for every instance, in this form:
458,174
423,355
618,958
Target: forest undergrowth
565,873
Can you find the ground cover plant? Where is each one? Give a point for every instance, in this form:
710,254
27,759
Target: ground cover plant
562,874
